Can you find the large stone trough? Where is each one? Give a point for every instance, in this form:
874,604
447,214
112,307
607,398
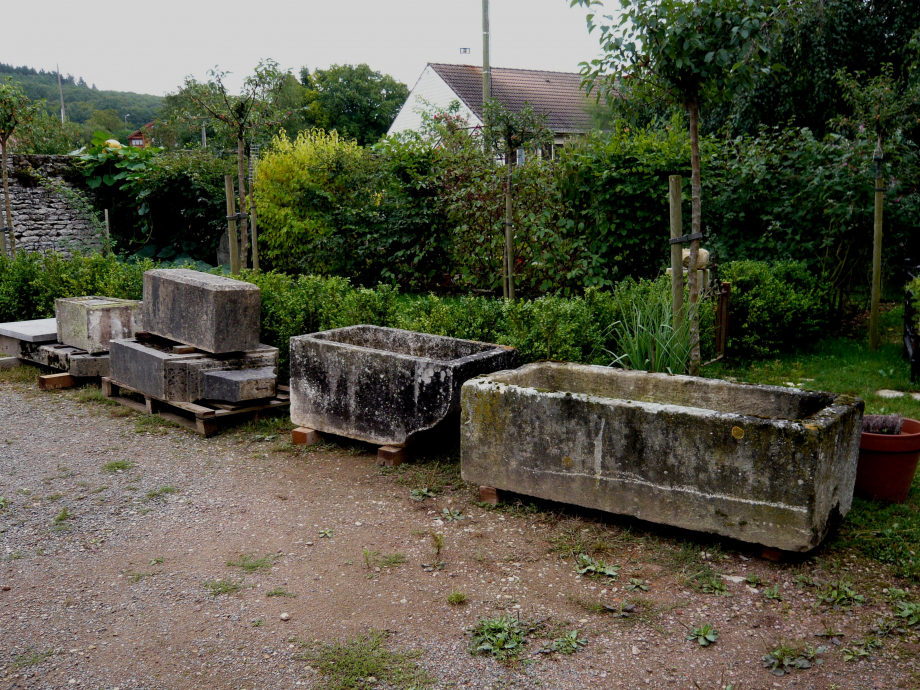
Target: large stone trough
767,465
383,385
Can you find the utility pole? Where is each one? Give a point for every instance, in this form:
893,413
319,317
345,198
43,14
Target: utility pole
61,90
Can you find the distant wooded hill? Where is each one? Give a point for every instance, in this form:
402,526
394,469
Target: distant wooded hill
82,100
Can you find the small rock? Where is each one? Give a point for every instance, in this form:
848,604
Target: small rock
737,579
635,650
285,616
889,394
5,588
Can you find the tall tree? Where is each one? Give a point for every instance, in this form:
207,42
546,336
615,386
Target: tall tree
15,109
356,101
239,116
689,53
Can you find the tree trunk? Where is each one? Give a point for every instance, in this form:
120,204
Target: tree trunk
509,228
694,112
6,199
244,225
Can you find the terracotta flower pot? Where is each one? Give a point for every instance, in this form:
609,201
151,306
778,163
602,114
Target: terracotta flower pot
887,463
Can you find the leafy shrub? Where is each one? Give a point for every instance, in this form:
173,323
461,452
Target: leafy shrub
774,306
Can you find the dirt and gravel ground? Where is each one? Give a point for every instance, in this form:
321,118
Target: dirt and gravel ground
112,527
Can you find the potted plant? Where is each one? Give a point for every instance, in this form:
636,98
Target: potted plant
888,453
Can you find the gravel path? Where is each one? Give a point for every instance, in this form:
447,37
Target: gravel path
104,567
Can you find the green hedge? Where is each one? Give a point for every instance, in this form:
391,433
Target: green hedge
775,307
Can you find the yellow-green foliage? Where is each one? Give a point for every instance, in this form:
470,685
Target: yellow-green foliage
299,185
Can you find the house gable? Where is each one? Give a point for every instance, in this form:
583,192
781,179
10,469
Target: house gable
432,88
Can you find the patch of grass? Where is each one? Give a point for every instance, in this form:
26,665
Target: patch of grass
137,577
773,593
30,658
456,598
118,466
24,373
63,516
4,503
364,662
280,592
161,492
217,587
786,658
93,394
708,582
269,426
326,534
54,497
502,638
154,423
570,540
15,556
249,564
373,559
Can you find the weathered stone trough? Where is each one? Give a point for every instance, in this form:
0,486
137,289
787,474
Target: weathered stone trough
383,385
767,465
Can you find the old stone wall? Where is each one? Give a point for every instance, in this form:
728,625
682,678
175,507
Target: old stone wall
45,216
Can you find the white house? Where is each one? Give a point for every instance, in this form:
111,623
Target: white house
558,95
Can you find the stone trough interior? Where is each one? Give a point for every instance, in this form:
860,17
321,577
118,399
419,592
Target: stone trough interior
405,342
664,389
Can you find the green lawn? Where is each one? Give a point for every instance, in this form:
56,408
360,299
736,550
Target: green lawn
886,533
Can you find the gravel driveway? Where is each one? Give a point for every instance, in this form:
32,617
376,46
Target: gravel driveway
113,530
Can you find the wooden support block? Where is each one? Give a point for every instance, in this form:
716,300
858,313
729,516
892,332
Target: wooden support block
206,427
771,554
183,349
391,456
108,388
488,494
302,436
9,362
54,381
151,404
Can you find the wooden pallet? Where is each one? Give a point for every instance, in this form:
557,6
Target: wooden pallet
203,418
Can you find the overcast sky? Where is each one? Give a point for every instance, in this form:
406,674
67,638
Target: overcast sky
149,47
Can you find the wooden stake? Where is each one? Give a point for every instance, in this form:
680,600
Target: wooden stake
231,225
877,251
108,234
244,234
509,229
675,185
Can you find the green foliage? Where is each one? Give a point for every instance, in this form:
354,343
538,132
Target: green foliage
217,587
353,100
840,594
502,638
592,567
121,166
364,662
456,598
16,109
704,635
45,134
909,612
787,658
774,307
250,564
569,643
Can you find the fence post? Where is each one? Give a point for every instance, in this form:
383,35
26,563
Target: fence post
675,184
108,234
231,225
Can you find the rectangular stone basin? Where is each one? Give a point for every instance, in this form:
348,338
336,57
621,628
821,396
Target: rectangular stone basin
767,465
383,385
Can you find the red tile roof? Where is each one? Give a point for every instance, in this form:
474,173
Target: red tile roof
556,94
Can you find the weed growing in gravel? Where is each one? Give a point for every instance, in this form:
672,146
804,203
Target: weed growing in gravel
249,564
280,592
840,595
449,515
24,373
364,662
325,534
373,560
15,556
704,634
502,638
569,643
4,503
258,623
161,492
54,497
62,517
708,582
456,598
754,581
137,577
585,565
154,424
30,658
118,466
909,612
636,585
270,426
773,593
421,494
571,540
156,561
93,394
861,649
787,658
217,587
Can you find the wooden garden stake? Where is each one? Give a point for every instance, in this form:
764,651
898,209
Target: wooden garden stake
108,234
509,233
675,185
231,225
877,250
244,234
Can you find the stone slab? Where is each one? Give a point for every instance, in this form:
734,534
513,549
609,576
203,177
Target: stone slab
35,331
383,385
153,369
209,312
65,358
238,385
91,322
766,465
